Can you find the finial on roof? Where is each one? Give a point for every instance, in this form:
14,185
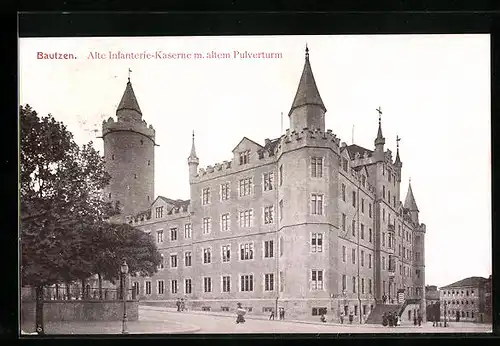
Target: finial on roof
192,155
380,138
307,52
129,70
398,160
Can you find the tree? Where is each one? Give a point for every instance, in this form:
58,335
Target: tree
61,201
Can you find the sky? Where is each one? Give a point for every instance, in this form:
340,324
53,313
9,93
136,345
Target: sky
434,92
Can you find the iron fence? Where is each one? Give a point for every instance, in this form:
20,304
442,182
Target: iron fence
76,293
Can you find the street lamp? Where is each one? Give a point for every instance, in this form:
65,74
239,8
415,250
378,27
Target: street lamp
445,315
124,272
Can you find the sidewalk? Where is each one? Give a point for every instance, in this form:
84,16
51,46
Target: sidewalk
114,327
425,328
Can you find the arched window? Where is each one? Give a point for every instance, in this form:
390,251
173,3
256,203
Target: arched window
113,157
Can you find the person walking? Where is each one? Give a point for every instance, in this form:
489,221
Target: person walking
341,317
240,312
351,317
385,319
271,317
178,304
419,319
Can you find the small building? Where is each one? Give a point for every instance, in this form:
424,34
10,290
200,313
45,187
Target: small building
466,300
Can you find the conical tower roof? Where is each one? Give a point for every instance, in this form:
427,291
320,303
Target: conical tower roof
410,203
307,91
380,140
129,101
192,156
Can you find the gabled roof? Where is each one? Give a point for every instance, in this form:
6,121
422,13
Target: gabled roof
353,149
467,282
245,138
129,101
307,91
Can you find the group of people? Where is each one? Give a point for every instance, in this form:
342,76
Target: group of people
417,319
351,317
181,304
281,314
391,319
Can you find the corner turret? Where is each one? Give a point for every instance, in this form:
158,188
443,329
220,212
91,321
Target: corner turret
193,161
397,163
380,140
308,110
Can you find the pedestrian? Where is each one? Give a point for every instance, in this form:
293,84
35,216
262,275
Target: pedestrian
178,304
385,319
341,317
414,320
396,319
419,319
323,318
351,317
240,312
182,304
282,314
384,298
271,317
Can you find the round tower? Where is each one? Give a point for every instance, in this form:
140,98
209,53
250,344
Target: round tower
129,156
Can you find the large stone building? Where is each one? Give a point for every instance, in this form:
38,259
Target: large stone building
468,300
302,222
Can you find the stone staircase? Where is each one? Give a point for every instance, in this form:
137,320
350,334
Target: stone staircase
376,314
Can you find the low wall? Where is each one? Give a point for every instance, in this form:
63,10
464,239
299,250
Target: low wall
80,310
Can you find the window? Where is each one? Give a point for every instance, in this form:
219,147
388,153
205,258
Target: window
207,225
148,287
173,261
383,238
353,284
362,285
281,210
149,162
113,157
343,254
159,236
363,180
268,249
268,181
205,196
187,259
354,199
383,263
362,259
362,231
394,201
343,222
268,215
353,228
344,283
226,253
109,195
418,273
399,247
188,289
316,204
353,256
174,286
383,191
417,258
173,233
344,164
369,260
226,283
316,242
224,192
246,251
383,214
207,255
245,187
160,286
187,231
135,176
269,282
317,280
224,222
282,281
370,235
343,192
370,210
246,218
207,284
281,175
369,286
246,283
316,167
244,157
389,195
162,262
363,205
282,245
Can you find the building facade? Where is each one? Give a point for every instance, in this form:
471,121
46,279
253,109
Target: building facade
302,223
467,300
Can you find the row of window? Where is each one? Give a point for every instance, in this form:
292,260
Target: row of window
458,302
453,293
463,313
246,284
354,285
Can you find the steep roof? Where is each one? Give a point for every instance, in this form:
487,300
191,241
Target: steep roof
467,282
192,155
353,149
307,91
410,203
129,101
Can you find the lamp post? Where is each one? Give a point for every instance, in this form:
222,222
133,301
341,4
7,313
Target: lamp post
124,272
444,302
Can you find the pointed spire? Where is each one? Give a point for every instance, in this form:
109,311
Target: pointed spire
398,160
129,107
410,203
380,140
307,91
192,156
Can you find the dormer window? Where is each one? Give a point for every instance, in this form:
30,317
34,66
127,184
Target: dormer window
159,212
244,157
